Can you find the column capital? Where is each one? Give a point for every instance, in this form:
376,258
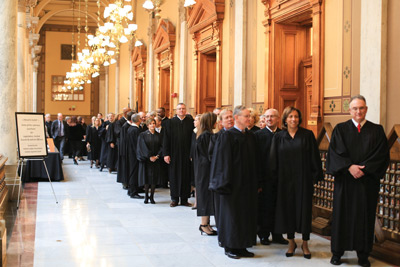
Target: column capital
33,39
182,11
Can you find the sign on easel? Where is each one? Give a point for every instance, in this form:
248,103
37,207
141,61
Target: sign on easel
31,135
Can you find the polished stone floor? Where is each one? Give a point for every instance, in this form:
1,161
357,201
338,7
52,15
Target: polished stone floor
96,224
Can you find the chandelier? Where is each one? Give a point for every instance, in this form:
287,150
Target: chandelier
118,27
154,5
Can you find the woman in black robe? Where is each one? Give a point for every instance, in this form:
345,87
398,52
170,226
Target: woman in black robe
104,146
295,166
76,133
94,142
202,164
254,118
149,154
111,140
196,123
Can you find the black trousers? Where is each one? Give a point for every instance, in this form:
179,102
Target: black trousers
305,236
76,147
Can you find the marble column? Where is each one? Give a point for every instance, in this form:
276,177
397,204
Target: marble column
8,79
131,78
117,73
35,67
150,66
373,58
106,88
183,55
21,57
240,53
102,98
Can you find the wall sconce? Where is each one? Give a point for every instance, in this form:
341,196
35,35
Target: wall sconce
174,95
189,3
153,6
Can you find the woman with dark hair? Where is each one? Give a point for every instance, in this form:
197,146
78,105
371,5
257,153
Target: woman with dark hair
196,123
94,142
149,152
296,166
202,164
75,138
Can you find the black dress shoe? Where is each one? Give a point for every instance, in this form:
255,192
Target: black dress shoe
124,186
245,253
335,260
265,241
280,240
137,196
173,204
364,262
231,254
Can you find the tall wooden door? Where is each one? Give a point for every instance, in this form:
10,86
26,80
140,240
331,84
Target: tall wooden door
139,95
165,90
290,49
207,83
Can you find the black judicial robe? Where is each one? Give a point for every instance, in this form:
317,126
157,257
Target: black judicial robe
123,175
233,177
267,197
295,165
254,129
92,137
176,144
355,200
132,164
112,156
202,164
192,148
104,146
149,145
143,127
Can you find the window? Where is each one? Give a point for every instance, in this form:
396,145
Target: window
60,94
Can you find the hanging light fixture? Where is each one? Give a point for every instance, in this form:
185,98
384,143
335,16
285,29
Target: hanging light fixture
154,6
189,3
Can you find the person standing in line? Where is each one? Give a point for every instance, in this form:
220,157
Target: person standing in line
123,151
76,134
201,162
104,145
358,157
111,140
295,166
254,118
48,123
149,154
176,151
94,142
267,187
164,167
59,132
130,138
233,177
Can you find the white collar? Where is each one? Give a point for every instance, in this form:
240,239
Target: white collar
356,123
271,130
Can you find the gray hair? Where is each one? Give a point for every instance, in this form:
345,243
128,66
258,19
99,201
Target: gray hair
135,117
360,97
238,110
223,112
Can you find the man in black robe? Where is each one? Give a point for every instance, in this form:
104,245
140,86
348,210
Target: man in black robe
111,139
164,167
132,136
122,175
267,187
104,145
233,177
176,150
358,156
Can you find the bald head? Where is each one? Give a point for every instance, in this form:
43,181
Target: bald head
125,111
271,118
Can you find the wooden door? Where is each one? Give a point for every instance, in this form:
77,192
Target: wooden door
290,49
139,95
165,90
207,83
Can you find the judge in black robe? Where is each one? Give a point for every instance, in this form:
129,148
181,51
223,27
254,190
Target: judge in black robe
149,154
104,145
201,162
355,197
164,167
123,175
94,141
233,177
267,192
176,151
295,167
111,140
132,163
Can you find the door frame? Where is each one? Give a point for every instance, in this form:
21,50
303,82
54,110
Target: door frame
139,59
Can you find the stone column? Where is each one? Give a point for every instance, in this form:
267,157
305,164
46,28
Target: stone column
21,57
102,98
183,55
8,79
131,77
240,53
373,58
35,67
150,65
106,88
117,72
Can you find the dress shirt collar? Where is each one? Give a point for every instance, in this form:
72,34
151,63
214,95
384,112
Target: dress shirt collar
271,130
356,123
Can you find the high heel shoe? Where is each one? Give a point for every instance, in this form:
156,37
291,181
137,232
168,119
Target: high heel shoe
203,232
306,256
291,253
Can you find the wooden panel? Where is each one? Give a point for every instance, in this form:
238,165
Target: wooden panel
139,95
289,66
165,90
207,79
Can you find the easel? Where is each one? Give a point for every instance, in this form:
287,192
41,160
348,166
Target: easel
21,164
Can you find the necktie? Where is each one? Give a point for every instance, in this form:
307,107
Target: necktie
359,127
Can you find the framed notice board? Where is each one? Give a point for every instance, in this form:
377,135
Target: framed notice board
31,135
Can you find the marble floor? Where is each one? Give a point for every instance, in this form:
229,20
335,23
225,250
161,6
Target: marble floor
96,224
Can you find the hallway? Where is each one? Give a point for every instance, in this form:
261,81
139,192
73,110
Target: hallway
97,224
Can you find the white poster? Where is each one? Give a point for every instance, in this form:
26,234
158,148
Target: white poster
31,135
